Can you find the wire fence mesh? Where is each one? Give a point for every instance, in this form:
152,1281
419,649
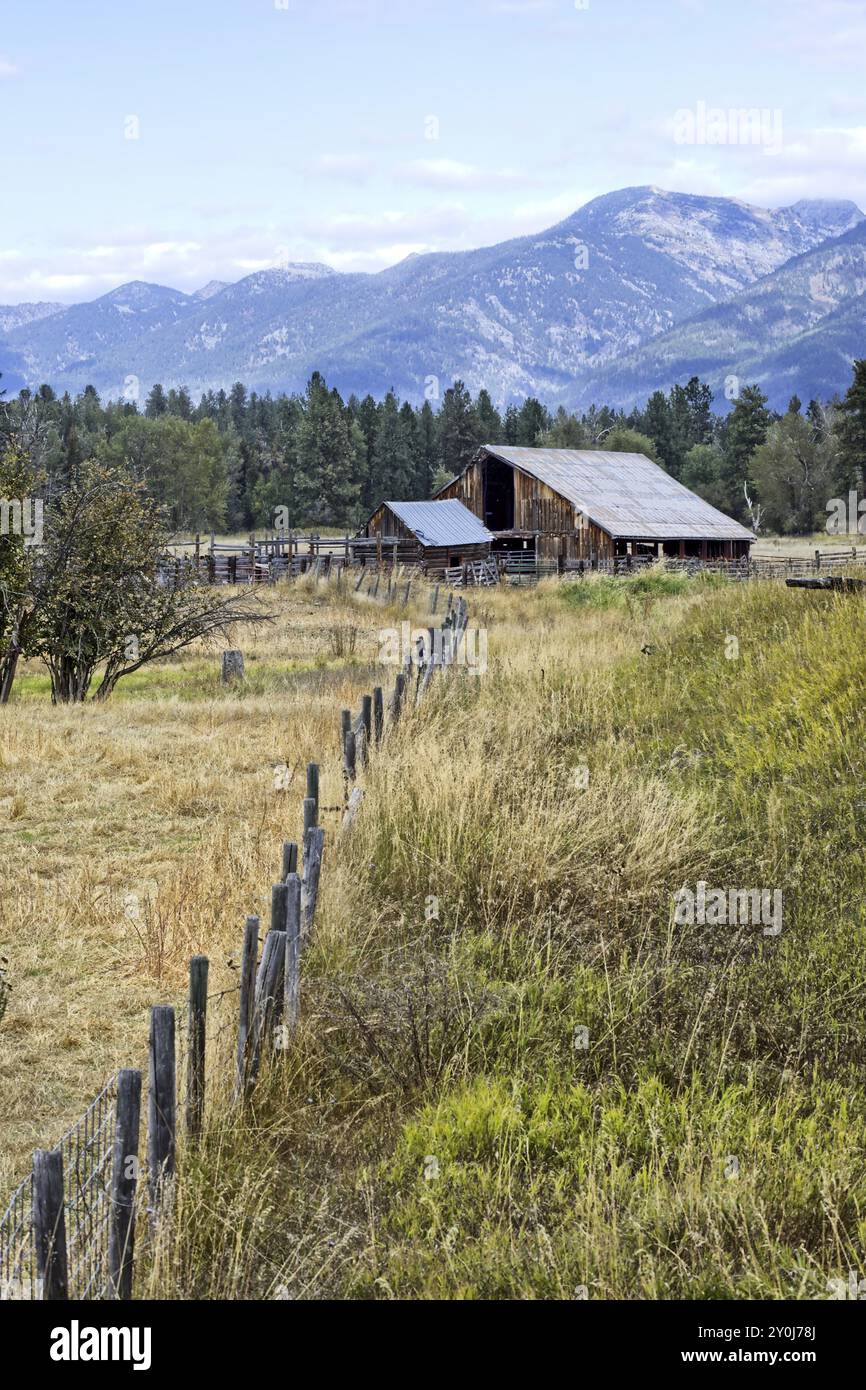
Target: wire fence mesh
87,1151
18,1279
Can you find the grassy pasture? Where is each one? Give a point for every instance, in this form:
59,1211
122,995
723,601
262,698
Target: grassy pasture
517,1076
137,832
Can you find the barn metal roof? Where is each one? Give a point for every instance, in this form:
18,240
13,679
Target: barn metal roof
627,495
441,523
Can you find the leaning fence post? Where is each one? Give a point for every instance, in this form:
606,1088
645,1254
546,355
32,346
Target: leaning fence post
435,599
354,806
429,666
309,816
397,697
162,1100
378,714
198,970
124,1181
315,849
290,858
249,957
269,994
292,980
49,1225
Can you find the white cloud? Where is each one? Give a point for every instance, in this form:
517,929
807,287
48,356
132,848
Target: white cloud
453,173
7,68
354,168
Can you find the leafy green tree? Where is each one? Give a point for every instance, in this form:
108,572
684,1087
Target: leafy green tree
794,470
566,431
622,440
105,597
183,465
532,423
746,431
702,473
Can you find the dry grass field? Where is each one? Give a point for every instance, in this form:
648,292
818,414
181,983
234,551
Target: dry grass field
516,1076
136,833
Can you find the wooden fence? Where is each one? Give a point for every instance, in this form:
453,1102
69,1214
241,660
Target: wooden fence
69,1229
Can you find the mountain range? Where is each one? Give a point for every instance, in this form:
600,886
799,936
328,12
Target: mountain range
636,290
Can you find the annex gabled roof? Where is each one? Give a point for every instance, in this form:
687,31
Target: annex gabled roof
627,495
441,523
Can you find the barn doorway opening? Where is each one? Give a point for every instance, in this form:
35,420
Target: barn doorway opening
498,496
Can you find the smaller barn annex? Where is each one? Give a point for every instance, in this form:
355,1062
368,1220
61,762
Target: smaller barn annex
591,506
437,535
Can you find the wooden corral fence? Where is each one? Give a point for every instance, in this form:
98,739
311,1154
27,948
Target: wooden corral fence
69,1229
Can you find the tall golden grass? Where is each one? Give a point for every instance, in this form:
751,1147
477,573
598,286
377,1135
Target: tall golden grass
516,1075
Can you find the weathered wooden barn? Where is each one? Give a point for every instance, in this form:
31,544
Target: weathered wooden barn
568,506
438,535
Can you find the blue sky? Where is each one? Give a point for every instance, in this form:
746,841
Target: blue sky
357,131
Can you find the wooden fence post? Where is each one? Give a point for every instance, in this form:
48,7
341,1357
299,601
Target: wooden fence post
162,1100
397,697
435,599
359,729
197,1036
249,956
378,714
313,787
354,806
367,716
290,858
429,666
349,755
269,995
292,979
49,1225
315,849
124,1181
232,666
279,901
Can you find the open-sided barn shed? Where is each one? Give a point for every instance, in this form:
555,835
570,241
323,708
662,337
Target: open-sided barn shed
437,535
591,505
